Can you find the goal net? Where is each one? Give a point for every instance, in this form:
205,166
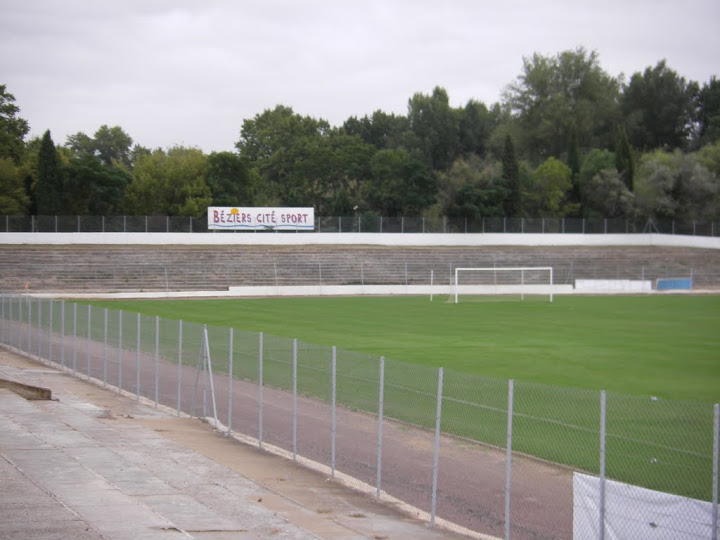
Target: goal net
521,282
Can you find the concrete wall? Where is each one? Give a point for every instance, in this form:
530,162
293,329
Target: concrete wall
377,239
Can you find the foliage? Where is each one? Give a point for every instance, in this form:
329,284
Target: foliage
13,129
624,159
658,108
557,95
511,178
49,184
550,184
93,188
606,196
13,198
471,188
399,184
677,186
111,145
231,180
708,112
171,183
434,126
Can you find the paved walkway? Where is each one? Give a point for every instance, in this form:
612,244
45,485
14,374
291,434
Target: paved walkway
92,464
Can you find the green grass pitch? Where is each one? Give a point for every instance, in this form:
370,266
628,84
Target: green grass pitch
559,354
666,346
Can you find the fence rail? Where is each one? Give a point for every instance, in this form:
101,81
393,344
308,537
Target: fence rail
445,442
367,224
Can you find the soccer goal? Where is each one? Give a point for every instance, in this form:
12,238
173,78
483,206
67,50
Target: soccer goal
521,281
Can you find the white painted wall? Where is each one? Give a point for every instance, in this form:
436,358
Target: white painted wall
376,239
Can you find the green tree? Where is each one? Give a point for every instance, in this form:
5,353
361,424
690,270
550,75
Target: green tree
551,182
677,186
399,184
574,196
511,178
381,130
274,142
49,184
92,188
559,94
13,198
111,145
658,108
170,182
607,196
708,113
434,126
474,127
13,129
624,160
231,180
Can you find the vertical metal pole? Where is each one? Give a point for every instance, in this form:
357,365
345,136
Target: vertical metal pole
260,390
601,502
294,413
137,382
333,373
39,327
716,449
436,453
230,384
120,348
381,403
105,351
179,366
29,330
157,358
508,455
431,283
210,373
74,337
50,330
62,332
89,337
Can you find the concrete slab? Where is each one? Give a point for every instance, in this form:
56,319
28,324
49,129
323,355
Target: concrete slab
101,465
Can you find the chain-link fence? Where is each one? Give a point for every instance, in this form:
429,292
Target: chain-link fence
502,458
368,224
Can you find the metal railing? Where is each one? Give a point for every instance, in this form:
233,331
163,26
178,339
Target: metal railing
366,224
455,446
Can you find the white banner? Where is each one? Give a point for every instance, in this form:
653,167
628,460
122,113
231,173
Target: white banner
261,218
635,512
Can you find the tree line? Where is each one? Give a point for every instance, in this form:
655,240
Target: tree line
566,140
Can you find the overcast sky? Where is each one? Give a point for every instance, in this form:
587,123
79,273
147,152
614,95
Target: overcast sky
188,72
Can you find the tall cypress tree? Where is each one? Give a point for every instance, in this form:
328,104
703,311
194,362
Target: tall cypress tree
511,176
49,185
624,161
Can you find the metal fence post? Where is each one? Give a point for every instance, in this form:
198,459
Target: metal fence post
120,348
74,346
508,455
157,358
89,337
294,405
260,390
29,330
716,449
436,452
105,340
62,333
230,383
333,371
381,403
601,502
179,367
137,382
50,329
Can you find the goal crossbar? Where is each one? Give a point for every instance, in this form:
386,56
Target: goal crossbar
521,269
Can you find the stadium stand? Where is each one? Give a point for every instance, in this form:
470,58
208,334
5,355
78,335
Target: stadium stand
188,268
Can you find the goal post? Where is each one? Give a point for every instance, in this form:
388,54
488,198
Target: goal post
518,280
